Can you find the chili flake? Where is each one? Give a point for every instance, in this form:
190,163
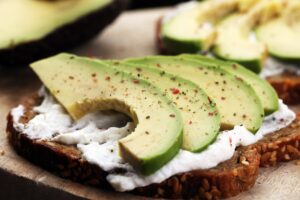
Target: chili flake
175,91
135,81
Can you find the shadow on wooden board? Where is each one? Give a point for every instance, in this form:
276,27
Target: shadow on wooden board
19,188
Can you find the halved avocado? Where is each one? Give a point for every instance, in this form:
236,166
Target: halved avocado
200,116
282,35
32,29
236,42
265,92
82,85
236,101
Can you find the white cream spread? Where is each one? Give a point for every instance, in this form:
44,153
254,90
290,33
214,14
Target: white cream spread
96,136
274,67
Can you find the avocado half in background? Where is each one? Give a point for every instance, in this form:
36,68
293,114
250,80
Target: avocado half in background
240,31
32,29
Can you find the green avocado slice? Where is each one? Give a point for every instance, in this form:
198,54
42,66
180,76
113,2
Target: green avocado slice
200,116
191,30
282,35
236,101
237,43
25,21
263,89
82,85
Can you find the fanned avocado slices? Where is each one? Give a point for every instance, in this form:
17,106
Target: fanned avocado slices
265,92
200,115
192,28
235,40
82,85
282,35
236,101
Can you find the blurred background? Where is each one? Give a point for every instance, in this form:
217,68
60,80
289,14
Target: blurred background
135,4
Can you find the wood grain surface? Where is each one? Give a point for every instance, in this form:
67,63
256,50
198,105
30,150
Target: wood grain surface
131,35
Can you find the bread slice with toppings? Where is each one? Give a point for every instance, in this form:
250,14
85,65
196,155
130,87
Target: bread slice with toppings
227,179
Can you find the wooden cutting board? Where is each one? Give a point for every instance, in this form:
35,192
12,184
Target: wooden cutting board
131,35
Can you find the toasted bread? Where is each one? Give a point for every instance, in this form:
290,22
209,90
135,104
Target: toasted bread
287,86
63,38
227,179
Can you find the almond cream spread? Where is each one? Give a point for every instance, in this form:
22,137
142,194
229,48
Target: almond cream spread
96,136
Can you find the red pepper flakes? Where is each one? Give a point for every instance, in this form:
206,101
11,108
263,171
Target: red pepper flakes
230,141
190,122
223,98
210,114
158,65
135,81
175,91
94,75
107,78
71,77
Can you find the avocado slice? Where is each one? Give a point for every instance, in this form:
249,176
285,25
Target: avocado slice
282,35
200,127
32,29
82,85
236,42
265,92
192,29
236,101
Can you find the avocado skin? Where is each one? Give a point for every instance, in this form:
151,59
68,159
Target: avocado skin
65,37
291,60
161,160
254,65
175,46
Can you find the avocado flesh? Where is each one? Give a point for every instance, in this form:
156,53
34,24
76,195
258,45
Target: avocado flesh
192,30
282,35
265,92
82,85
236,101
236,42
25,21
200,116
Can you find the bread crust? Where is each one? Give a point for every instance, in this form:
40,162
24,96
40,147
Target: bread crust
227,179
287,86
65,37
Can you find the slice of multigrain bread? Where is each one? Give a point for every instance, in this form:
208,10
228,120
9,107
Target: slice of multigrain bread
287,86
227,179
